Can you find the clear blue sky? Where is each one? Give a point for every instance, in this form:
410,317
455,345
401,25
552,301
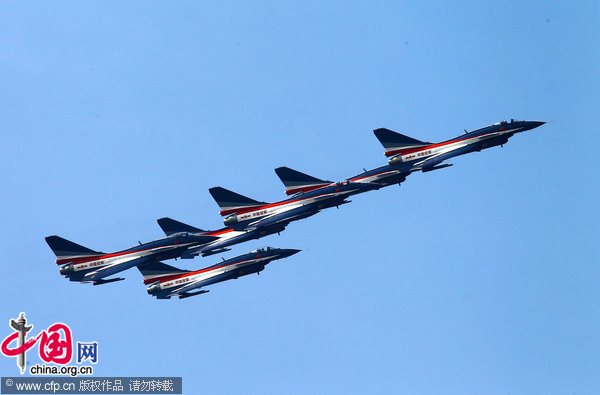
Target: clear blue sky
481,278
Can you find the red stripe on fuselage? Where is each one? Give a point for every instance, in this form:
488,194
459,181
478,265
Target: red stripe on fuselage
98,257
219,232
170,277
271,205
374,175
93,258
407,151
80,259
241,210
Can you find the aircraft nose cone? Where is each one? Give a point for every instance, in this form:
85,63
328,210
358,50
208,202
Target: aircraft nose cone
534,124
289,252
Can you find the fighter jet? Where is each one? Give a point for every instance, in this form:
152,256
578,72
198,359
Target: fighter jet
165,281
240,210
222,238
79,263
298,183
411,155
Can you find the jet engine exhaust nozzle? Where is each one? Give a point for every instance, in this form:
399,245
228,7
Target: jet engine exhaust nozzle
396,160
67,269
153,289
231,220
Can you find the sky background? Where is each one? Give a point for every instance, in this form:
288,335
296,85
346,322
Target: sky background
480,278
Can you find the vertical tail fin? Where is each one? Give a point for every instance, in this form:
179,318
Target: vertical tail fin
396,143
296,181
170,226
64,248
231,202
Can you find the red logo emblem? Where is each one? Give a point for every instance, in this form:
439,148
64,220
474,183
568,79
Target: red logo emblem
55,343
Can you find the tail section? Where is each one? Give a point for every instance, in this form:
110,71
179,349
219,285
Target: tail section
156,271
396,143
231,202
65,249
296,181
170,226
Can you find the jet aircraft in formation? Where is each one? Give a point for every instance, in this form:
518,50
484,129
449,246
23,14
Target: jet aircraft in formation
166,281
79,263
248,219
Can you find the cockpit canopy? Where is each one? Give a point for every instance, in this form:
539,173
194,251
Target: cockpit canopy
512,120
263,249
180,234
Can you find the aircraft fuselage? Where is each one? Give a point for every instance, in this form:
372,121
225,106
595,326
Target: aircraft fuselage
163,287
296,207
477,140
91,268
